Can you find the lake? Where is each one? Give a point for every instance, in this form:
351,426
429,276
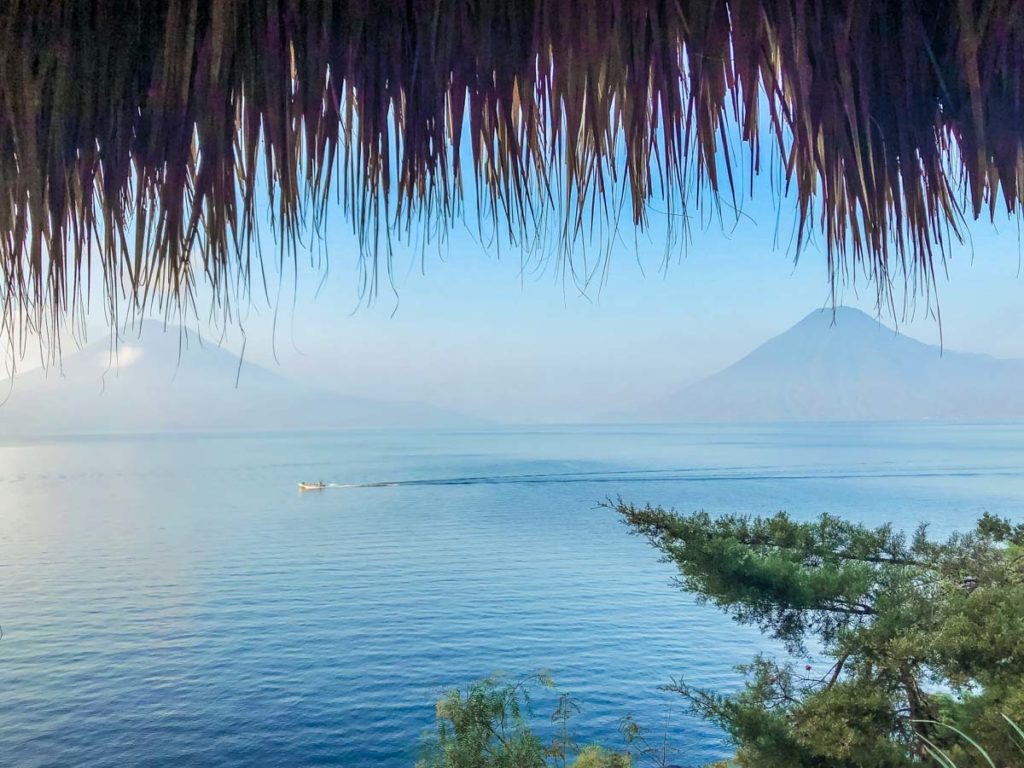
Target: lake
171,601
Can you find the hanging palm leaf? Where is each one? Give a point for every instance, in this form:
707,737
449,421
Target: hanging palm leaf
135,134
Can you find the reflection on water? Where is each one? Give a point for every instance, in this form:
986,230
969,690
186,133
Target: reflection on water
168,601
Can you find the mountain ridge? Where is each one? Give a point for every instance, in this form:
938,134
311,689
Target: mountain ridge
158,379
844,365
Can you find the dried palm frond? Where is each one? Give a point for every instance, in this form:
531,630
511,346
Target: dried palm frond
136,134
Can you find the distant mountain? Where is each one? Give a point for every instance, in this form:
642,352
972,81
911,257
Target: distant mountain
160,383
848,366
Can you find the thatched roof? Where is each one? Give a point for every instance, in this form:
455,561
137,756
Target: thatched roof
136,134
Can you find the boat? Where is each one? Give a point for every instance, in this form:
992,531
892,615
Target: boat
312,486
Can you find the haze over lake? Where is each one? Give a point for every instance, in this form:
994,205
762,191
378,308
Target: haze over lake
840,365
174,600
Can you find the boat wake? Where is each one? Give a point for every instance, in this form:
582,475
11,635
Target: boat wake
701,475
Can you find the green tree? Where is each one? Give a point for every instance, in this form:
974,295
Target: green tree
487,726
918,632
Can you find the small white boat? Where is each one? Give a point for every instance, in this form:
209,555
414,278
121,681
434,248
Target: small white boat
312,486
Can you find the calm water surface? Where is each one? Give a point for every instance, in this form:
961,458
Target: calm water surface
175,601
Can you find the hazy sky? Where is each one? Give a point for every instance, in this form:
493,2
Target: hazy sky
471,331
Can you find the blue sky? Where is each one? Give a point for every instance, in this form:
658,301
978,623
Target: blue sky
469,330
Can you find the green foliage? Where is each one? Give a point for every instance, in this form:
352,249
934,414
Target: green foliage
953,757
918,632
598,757
487,726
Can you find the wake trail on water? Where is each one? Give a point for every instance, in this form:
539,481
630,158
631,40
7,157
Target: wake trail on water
683,476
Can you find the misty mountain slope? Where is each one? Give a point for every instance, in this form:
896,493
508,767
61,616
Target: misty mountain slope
159,384
854,368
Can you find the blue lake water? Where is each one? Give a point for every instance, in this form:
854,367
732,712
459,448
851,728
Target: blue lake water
171,601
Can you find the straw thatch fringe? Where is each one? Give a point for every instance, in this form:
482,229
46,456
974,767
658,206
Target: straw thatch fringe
134,133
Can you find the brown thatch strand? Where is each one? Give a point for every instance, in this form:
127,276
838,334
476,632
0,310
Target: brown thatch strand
134,133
